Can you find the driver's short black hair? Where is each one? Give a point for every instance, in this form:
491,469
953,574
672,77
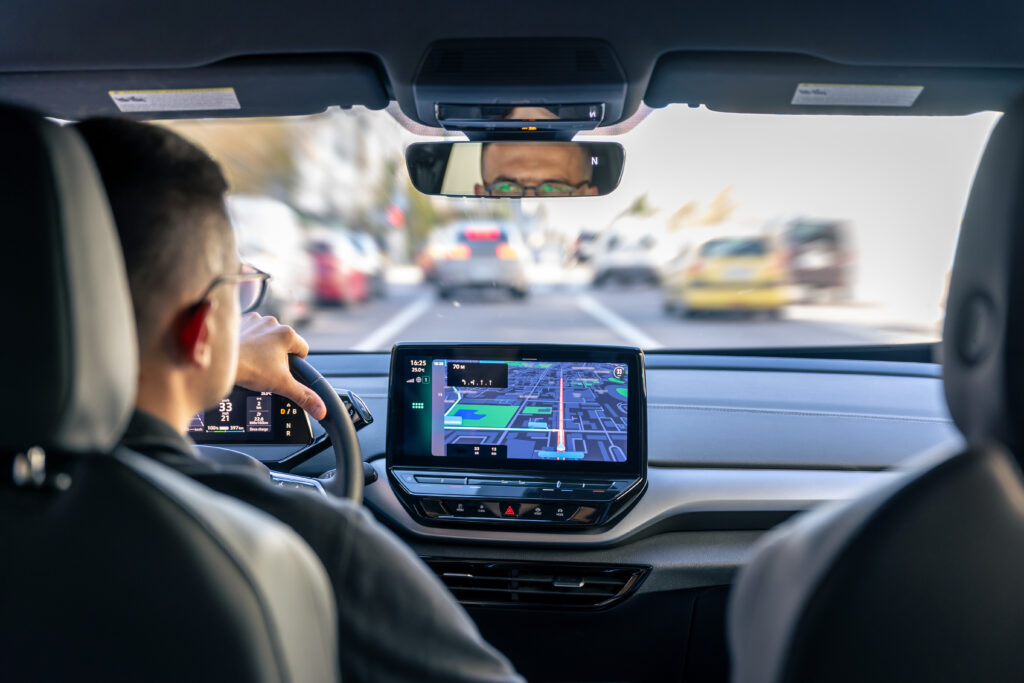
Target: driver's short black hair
167,197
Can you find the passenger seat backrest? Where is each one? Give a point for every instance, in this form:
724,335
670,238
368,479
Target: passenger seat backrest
920,579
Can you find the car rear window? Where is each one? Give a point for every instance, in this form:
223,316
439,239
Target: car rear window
735,247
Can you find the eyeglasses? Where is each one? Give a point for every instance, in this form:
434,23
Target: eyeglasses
510,188
252,285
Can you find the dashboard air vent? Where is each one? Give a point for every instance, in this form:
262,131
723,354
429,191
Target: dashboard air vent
537,584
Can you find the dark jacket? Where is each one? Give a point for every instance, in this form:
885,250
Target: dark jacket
397,621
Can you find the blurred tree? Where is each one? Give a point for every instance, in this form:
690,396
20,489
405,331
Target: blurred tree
420,218
385,190
255,154
683,215
641,207
720,209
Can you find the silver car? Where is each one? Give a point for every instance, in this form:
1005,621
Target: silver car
482,255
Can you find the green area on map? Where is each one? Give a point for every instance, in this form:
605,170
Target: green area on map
537,410
478,415
622,390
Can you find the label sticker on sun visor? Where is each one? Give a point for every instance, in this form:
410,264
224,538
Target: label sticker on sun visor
200,99
843,95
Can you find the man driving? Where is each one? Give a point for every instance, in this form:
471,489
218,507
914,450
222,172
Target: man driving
397,621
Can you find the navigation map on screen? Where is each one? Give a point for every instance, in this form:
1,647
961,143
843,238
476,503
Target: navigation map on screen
572,411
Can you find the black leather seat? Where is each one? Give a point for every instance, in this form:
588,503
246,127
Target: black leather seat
922,579
113,567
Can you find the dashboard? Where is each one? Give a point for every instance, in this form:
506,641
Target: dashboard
734,446
734,443
726,436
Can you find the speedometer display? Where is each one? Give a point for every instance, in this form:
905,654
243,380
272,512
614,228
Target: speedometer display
245,416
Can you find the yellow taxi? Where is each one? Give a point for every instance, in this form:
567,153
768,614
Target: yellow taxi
729,274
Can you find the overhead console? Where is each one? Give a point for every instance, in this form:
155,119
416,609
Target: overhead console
472,85
517,435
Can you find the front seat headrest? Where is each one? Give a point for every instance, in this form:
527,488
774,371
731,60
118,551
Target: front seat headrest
983,337
69,348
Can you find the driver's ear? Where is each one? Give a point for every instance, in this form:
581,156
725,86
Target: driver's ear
193,339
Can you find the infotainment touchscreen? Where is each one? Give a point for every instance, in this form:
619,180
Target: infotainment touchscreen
524,408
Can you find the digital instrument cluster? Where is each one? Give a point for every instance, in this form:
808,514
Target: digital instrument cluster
252,417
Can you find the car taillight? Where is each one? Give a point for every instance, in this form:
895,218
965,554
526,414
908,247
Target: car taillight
460,252
505,252
695,268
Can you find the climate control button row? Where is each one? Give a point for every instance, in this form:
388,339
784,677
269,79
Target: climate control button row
539,512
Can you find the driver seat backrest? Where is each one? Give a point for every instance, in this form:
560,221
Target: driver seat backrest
114,567
920,579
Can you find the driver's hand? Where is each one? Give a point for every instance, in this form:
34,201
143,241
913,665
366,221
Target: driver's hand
264,345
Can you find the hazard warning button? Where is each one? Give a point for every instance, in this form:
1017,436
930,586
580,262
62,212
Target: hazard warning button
509,509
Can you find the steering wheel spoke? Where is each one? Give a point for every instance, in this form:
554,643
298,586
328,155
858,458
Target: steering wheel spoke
348,479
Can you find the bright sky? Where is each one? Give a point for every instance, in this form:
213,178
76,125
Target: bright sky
902,182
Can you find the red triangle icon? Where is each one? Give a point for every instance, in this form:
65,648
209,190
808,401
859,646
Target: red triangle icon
509,511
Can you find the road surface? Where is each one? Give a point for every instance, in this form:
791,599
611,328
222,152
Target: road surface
577,314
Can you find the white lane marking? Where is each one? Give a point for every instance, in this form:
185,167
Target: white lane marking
622,327
375,340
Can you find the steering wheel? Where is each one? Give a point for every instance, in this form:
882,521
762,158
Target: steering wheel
347,481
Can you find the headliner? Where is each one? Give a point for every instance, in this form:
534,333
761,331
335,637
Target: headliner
100,35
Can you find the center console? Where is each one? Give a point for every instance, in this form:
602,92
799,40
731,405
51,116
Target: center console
517,435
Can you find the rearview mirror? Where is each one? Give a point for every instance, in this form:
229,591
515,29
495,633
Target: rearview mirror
515,169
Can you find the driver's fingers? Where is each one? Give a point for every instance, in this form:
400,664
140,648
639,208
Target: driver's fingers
306,398
296,344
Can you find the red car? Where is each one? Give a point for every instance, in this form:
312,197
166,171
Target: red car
338,281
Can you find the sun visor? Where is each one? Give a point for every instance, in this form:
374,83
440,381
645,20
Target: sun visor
240,87
758,83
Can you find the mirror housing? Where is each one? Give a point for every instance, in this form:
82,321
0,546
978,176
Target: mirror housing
515,168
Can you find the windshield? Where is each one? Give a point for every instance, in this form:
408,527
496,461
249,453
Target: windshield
727,231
